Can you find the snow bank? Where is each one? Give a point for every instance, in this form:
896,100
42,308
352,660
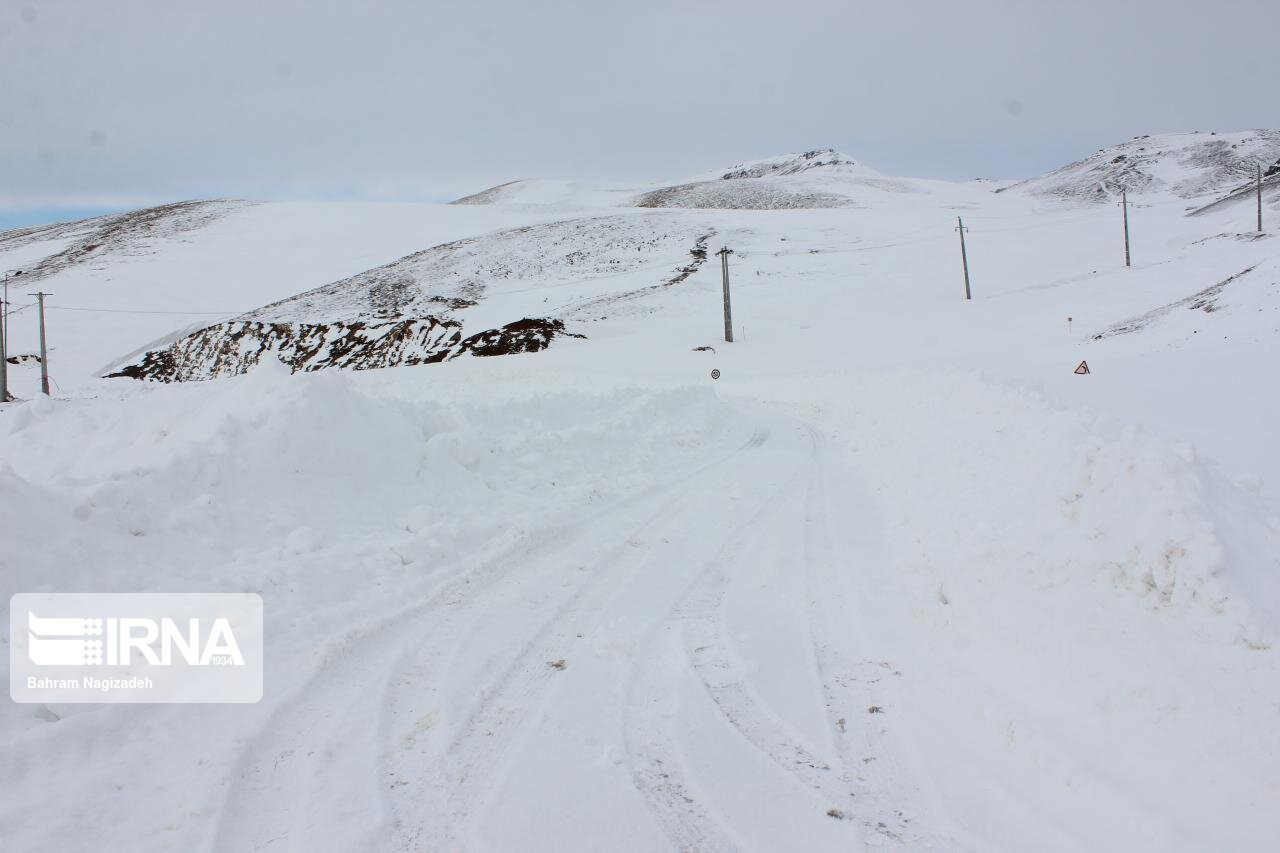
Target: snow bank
984,483
1085,612
247,462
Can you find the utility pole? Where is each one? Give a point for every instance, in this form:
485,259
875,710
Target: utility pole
1259,198
4,339
4,358
964,257
1124,205
728,312
44,357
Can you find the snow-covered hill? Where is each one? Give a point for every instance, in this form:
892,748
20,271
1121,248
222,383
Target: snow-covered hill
812,179
899,577
828,160
497,294
195,265
46,250
1186,165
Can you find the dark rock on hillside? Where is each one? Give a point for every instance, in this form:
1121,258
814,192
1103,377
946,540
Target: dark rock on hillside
229,349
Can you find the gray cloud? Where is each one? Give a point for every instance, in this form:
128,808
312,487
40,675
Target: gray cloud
393,99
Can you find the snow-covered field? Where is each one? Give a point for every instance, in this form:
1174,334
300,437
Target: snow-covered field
898,579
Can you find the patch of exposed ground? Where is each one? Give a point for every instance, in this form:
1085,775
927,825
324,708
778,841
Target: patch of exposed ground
731,194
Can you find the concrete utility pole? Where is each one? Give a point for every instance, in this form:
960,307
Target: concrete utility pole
964,257
728,312
44,357
1259,198
4,359
4,339
1124,205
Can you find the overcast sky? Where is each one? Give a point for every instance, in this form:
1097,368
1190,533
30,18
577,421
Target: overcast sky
116,104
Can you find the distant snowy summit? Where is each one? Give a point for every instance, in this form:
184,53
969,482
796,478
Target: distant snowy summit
810,179
1190,165
795,164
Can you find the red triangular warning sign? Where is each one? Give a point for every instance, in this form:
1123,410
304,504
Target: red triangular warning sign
1083,368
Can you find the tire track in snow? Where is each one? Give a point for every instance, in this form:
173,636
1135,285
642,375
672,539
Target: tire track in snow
656,772
274,797
885,799
722,673
865,778
305,739
651,746
493,727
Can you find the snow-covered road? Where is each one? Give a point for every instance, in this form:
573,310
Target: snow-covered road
678,670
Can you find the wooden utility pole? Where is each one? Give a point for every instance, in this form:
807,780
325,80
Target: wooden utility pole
44,357
1124,205
728,312
1259,198
964,257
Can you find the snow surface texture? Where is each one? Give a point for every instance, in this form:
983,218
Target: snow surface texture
898,579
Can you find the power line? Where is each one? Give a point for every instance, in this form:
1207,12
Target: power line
138,311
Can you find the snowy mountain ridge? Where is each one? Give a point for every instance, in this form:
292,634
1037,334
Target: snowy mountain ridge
1187,165
810,179
1190,165
57,247
827,159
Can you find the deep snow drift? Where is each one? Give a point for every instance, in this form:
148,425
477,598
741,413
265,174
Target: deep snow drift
898,579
